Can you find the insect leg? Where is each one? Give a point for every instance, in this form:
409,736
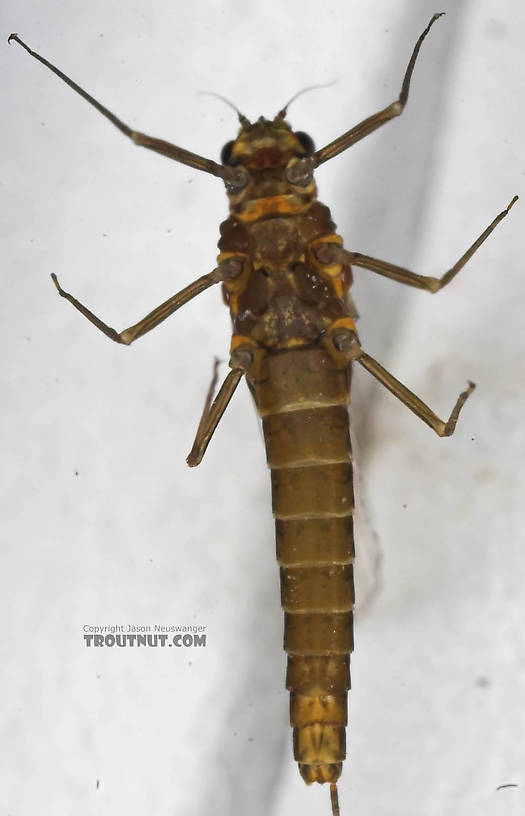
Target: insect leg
414,403
153,318
158,145
212,414
402,275
381,117
209,398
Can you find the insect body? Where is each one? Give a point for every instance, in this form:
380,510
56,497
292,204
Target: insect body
286,279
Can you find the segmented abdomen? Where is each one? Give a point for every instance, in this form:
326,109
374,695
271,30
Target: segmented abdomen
302,397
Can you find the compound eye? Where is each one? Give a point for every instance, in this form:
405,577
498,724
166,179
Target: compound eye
306,141
226,153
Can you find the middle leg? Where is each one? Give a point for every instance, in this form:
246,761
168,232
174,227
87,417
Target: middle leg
153,318
402,275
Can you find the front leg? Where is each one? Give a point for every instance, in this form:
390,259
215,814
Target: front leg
230,175
152,319
373,122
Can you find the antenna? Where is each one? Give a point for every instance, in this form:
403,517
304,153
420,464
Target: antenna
242,119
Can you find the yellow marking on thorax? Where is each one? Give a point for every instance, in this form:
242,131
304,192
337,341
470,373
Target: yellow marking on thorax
284,204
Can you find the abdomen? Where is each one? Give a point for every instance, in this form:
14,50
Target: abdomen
302,397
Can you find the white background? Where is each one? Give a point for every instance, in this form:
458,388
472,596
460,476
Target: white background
437,712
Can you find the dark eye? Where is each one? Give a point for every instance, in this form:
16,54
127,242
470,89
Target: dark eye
226,152
307,143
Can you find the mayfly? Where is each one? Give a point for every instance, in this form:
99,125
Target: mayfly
286,278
